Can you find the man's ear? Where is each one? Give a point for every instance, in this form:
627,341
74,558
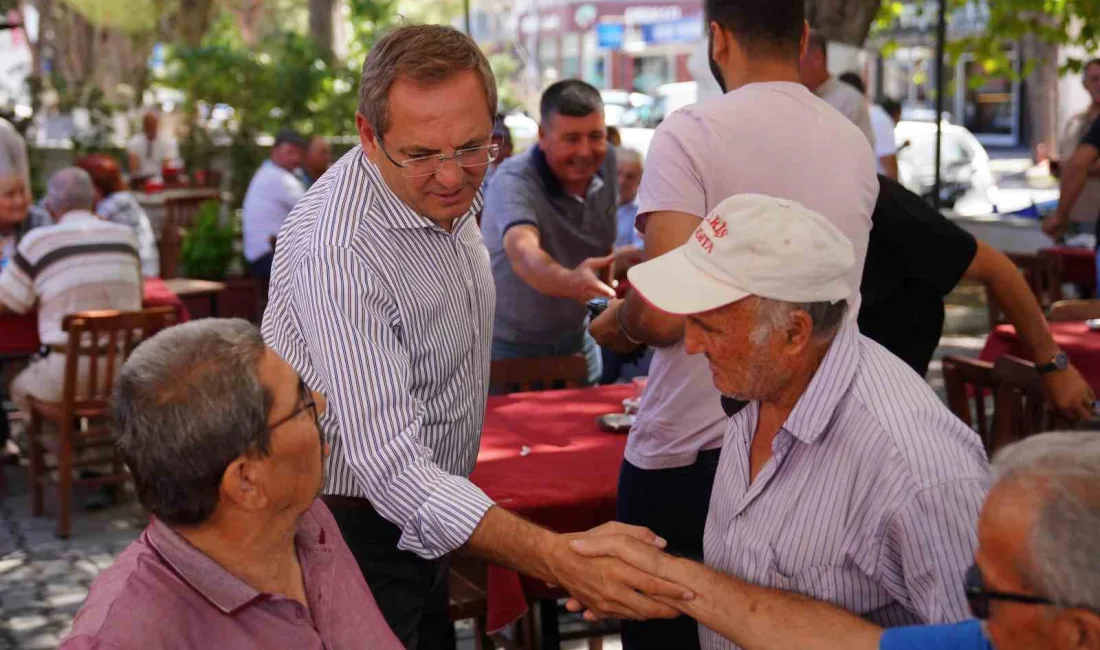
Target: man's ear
242,484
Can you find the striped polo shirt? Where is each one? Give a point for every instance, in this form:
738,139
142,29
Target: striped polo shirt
870,500
81,263
390,317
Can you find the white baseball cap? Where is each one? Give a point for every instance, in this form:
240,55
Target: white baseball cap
750,245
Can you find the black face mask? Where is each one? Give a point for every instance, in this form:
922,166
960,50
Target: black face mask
714,69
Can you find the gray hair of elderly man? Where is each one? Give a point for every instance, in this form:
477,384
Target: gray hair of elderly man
70,189
772,315
1065,541
626,154
13,152
187,403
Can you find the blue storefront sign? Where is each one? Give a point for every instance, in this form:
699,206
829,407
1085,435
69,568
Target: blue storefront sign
683,30
610,36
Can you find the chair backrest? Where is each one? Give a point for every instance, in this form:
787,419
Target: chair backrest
970,389
1074,310
539,373
179,215
1021,405
1042,272
99,343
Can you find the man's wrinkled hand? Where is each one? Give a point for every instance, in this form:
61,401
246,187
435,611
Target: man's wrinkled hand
1070,394
608,586
605,329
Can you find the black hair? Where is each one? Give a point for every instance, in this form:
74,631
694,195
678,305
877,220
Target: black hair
855,81
762,27
572,98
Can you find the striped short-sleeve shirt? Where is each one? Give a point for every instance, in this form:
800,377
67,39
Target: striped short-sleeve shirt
81,263
391,317
870,500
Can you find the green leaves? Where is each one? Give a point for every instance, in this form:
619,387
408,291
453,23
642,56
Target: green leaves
207,248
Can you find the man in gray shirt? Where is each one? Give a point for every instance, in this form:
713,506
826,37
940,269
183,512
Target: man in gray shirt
549,223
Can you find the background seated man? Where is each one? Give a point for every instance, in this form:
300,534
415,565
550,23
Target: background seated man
842,475
1033,583
272,194
80,263
222,438
116,204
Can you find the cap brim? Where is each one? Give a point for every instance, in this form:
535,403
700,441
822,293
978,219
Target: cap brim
673,284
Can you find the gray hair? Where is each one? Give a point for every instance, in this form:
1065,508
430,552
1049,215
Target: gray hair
1065,542
13,152
188,403
772,315
70,189
626,154
424,54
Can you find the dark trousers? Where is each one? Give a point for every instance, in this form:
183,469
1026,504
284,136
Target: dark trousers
672,503
411,592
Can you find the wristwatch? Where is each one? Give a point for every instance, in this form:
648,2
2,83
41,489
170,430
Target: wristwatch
1059,362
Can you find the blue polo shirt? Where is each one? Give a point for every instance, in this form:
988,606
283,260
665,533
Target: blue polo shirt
967,635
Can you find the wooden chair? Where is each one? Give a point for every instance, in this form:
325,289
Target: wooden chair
1074,310
1042,272
539,373
970,389
179,215
1021,408
99,343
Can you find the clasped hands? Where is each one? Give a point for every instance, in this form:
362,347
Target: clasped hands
614,571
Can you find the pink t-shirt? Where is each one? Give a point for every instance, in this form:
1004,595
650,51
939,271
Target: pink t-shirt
773,138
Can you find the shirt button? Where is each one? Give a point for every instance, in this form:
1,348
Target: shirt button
299,614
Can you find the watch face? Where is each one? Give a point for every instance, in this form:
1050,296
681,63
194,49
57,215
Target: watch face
1061,361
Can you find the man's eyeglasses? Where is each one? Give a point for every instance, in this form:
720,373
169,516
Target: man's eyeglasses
978,597
307,403
428,165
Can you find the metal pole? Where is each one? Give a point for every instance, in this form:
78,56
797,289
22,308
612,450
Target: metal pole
941,88
466,13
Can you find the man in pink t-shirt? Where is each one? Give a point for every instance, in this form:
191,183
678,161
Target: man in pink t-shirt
221,436
767,135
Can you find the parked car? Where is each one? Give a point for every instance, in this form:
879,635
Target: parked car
968,186
669,98
616,103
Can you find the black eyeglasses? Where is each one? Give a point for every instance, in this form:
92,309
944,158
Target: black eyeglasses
307,402
978,597
428,165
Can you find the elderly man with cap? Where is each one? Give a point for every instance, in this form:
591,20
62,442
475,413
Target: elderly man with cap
1033,584
223,441
842,477
272,194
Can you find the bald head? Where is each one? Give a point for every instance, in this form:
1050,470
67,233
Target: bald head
70,189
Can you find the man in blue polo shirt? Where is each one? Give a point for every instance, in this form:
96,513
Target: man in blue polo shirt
1035,583
549,223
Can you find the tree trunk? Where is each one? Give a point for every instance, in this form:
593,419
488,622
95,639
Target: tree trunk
845,21
1042,95
193,20
246,14
322,22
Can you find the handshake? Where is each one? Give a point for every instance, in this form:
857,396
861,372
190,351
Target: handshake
620,571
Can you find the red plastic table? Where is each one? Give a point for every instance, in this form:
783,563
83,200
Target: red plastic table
1081,344
544,458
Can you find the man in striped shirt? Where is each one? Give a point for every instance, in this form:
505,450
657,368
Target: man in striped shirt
80,263
842,477
382,299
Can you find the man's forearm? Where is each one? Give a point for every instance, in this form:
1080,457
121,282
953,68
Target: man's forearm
1074,178
1005,282
758,618
510,541
648,325
538,269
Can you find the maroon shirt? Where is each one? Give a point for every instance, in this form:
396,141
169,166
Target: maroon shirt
162,592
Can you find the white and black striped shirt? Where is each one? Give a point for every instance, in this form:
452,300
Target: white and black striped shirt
390,317
870,500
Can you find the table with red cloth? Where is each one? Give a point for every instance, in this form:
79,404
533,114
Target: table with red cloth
544,458
1078,265
1080,344
19,332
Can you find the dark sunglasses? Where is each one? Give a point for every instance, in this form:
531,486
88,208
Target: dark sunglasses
978,597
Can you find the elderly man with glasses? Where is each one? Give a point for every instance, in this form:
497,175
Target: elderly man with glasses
222,438
1035,582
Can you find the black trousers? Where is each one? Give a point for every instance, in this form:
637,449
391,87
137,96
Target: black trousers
672,503
411,592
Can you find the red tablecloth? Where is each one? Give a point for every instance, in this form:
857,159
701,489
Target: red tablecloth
19,333
1081,344
1078,264
568,480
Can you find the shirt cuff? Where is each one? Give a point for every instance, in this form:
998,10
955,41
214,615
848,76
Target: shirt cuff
447,519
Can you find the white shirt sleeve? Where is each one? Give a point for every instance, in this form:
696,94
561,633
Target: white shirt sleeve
883,127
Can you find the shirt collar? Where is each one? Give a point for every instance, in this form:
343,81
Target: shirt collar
77,215
224,590
550,180
814,410
394,213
